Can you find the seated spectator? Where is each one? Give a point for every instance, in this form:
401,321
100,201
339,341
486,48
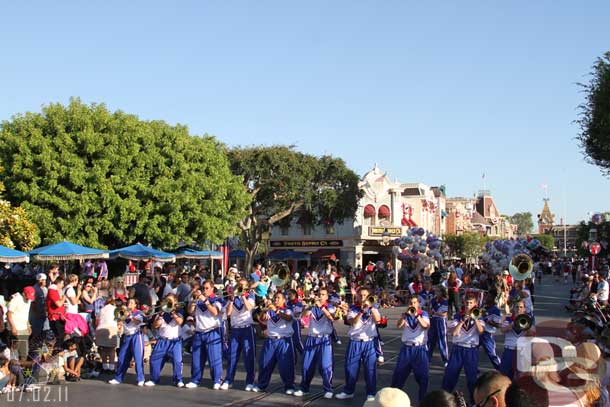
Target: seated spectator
389,397
524,392
5,374
186,334
441,398
72,361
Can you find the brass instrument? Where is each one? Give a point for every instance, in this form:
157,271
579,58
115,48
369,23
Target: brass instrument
282,277
523,322
121,314
475,313
310,301
412,312
239,291
168,304
521,266
370,301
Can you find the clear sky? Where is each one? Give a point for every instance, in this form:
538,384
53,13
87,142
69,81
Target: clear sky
433,93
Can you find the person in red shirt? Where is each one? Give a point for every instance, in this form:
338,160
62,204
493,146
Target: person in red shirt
56,311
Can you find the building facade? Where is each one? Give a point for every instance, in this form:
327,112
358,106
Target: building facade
479,215
386,211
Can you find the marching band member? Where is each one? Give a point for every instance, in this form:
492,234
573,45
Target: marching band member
297,309
465,353
239,309
169,344
278,346
512,333
132,344
207,339
437,334
318,351
363,319
426,295
416,286
493,319
413,352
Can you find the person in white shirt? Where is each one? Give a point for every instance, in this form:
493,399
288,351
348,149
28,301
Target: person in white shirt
106,334
413,352
168,343
18,316
207,341
512,333
186,333
465,352
72,293
363,319
278,345
239,310
133,344
602,289
318,350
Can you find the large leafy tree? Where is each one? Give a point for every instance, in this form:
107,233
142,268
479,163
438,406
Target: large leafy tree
524,222
594,120
16,229
107,179
283,182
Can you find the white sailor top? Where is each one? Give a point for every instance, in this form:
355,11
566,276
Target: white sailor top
319,324
169,329
241,316
204,320
132,323
278,327
512,336
468,335
413,333
425,298
365,329
492,314
439,305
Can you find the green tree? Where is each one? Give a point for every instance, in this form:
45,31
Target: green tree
454,245
283,182
594,120
107,179
16,230
474,244
524,222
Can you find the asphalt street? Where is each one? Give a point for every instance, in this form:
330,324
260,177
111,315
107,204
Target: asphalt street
550,298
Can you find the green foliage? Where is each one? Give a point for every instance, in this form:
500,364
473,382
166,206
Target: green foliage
282,182
108,179
594,120
469,245
16,230
547,241
524,222
602,236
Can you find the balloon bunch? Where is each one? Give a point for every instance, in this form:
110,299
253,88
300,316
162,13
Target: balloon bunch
418,248
499,253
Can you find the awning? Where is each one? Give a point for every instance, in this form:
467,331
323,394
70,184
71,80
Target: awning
140,252
67,251
384,212
198,254
408,222
8,255
369,211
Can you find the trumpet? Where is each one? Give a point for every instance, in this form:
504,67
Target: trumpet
412,312
475,313
120,314
370,301
523,322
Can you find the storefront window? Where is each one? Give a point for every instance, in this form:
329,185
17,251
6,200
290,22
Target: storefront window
307,229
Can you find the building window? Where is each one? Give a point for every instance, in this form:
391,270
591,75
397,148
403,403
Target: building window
284,230
307,228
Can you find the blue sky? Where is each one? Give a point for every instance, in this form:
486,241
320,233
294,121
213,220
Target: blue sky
437,93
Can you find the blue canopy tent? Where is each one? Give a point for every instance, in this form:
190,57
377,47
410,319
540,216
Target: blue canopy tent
139,252
67,251
187,253
286,255
12,256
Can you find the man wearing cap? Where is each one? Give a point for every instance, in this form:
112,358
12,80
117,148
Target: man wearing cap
18,318
38,311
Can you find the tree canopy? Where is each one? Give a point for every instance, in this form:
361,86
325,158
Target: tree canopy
16,230
594,120
107,179
524,222
283,182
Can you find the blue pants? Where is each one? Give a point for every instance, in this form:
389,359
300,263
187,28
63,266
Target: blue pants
378,348
508,363
164,349
132,347
296,336
437,334
274,351
412,358
318,353
361,352
207,346
224,340
241,339
468,358
489,344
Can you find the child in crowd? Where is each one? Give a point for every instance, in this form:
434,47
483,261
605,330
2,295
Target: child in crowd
72,362
5,375
186,334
